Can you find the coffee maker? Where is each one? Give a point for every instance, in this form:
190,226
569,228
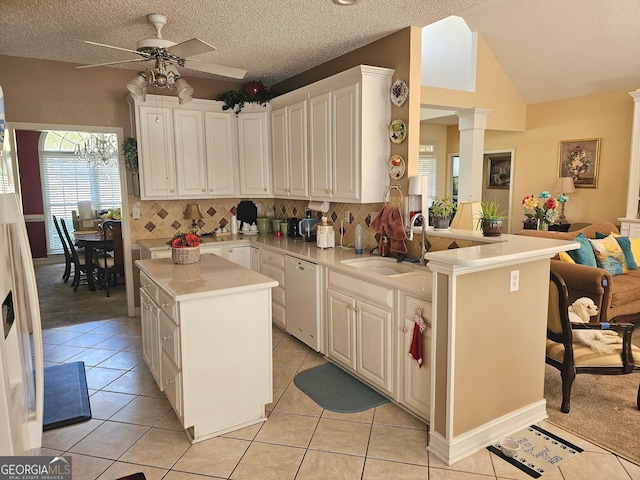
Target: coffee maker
325,236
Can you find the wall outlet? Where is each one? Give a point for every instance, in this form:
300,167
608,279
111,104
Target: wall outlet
347,215
514,281
259,207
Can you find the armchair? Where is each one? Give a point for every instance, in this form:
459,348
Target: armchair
572,358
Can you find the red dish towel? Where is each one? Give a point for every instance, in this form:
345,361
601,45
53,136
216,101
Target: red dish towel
415,350
389,222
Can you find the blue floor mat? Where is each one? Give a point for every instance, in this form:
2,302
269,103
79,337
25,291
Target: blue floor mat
66,398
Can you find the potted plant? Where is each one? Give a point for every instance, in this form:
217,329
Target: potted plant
490,220
130,154
442,211
185,248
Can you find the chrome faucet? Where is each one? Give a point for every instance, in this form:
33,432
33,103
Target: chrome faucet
423,249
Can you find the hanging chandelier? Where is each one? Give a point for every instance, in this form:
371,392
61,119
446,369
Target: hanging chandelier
162,76
99,150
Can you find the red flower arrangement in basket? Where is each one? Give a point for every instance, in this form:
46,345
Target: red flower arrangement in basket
184,240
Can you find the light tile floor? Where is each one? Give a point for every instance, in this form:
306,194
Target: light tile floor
134,429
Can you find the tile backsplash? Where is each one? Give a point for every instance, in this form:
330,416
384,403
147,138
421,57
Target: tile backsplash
161,218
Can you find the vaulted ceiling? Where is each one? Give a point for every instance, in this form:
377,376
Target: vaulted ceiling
550,49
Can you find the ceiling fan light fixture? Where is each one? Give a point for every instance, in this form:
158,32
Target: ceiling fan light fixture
138,87
184,91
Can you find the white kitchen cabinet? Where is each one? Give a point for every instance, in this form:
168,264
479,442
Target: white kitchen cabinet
240,254
157,152
254,154
254,260
149,323
414,390
215,362
289,147
272,264
221,153
349,116
188,130
359,317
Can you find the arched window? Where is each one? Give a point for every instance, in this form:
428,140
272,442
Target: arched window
68,179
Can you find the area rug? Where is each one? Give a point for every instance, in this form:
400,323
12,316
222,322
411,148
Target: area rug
540,451
66,398
334,389
603,410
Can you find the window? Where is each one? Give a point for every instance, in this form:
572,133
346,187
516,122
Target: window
66,180
428,165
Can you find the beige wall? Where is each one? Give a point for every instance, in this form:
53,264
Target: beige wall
607,116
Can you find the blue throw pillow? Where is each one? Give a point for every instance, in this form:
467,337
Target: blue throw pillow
584,255
625,245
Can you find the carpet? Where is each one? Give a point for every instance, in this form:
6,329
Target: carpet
66,399
539,452
603,410
334,389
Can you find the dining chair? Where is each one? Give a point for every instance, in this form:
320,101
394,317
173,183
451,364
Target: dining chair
80,266
110,263
571,357
68,259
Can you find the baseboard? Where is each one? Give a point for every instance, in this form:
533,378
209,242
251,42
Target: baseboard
462,446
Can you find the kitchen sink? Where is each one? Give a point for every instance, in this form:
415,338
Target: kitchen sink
383,266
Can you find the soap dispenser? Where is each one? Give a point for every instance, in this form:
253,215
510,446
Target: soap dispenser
358,241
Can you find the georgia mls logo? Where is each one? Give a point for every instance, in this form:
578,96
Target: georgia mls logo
35,468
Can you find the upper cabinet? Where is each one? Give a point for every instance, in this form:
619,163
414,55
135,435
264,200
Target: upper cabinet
198,150
346,131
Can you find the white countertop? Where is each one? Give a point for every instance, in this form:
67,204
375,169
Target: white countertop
496,251
212,275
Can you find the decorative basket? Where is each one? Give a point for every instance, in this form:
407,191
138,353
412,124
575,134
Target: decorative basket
186,255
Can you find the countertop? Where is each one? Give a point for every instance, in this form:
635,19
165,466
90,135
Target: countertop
496,251
211,276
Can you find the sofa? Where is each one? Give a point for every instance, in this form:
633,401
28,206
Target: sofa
616,296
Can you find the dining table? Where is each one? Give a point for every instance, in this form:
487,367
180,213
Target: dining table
91,241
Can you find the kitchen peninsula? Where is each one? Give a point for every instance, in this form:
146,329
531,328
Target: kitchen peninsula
206,332
485,307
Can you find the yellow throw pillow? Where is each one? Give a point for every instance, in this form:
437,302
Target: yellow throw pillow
609,255
565,257
635,248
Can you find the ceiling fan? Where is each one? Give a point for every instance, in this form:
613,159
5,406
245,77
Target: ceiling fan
167,55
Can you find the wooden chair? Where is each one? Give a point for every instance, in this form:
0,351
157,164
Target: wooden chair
572,358
110,263
68,259
78,258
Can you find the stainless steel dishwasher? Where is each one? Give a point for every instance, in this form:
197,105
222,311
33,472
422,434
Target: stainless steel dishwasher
302,306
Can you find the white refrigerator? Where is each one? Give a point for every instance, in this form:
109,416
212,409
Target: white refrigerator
21,360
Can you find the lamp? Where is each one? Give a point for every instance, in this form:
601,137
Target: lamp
193,213
466,217
98,150
564,186
161,76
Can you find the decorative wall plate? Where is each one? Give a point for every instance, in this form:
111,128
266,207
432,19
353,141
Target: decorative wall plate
399,93
397,131
396,167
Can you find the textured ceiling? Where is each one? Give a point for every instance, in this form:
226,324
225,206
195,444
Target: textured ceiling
551,49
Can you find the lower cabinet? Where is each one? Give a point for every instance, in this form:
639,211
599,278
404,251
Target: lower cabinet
272,264
414,390
149,323
359,328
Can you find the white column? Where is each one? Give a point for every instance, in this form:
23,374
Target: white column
472,124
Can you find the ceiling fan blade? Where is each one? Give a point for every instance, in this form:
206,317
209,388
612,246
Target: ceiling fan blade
190,48
111,46
114,63
215,69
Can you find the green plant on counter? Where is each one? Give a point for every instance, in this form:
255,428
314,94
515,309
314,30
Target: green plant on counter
443,207
489,211
130,153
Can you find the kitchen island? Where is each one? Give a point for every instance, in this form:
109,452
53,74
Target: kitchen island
206,333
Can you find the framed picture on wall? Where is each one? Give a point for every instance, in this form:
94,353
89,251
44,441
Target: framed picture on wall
498,172
580,160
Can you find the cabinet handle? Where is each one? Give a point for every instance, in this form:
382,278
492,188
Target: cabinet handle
405,329
231,250
265,189
168,382
349,307
165,305
356,309
172,190
211,189
204,190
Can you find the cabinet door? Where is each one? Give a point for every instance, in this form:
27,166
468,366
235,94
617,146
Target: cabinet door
254,155
320,147
280,154
221,154
346,140
239,254
297,134
191,179
150,335
157,158
374,344
416,385
255,259
341,328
